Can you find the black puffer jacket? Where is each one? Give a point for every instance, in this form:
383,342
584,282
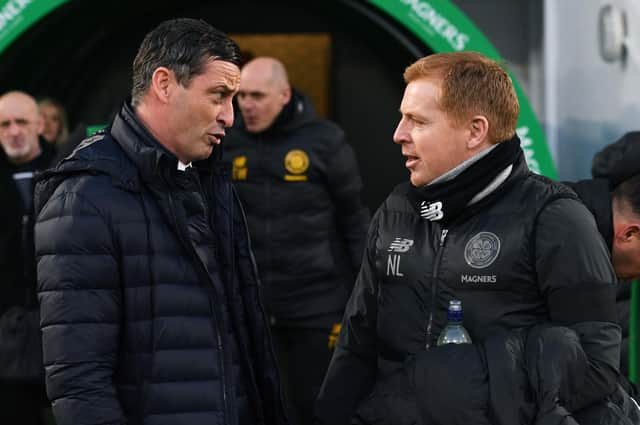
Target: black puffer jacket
148,294
527,254
300,186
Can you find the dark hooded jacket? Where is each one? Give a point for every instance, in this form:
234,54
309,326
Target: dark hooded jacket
596,196
300,186
20,340
17,265
148,291
618,161
525,255
611,166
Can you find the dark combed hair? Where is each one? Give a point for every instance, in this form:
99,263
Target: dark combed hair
628,192
182,45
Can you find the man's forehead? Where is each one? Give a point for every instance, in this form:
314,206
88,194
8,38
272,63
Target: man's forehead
18,106
227,73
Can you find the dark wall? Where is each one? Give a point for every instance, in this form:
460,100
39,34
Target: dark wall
82,56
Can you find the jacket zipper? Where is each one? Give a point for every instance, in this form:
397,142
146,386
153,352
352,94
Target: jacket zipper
216,321
263,312
434,286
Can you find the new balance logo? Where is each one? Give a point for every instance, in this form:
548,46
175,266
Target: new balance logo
431,211
400,245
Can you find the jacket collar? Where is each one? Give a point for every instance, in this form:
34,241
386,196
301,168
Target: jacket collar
147,154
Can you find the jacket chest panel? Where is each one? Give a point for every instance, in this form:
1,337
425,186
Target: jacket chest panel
292,163
482,262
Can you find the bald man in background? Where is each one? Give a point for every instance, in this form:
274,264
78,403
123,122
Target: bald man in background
23,152
299,183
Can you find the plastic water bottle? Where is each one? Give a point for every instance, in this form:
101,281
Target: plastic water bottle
454,332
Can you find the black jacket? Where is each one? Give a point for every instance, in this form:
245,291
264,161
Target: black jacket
618,161
20,339
300,186
520,377
17,265
527,254
148,293
611,166
595,194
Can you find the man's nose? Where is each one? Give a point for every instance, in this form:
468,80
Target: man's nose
245,104
401,134
14,129
226,115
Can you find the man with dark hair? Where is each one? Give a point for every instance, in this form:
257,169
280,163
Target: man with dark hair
298,178
625,252
520,252
23,153
147,287
613,197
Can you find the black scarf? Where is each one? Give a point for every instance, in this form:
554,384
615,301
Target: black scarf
445,201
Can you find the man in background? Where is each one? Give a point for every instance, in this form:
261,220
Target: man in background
613,197
23,153
299,182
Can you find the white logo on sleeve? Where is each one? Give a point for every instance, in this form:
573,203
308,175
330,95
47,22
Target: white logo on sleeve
431,211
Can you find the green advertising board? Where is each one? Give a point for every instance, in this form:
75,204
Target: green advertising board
438,23
16,16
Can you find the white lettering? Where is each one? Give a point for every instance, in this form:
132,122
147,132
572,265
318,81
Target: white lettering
439,23
11,10
527,146
393,266
465,278
461,41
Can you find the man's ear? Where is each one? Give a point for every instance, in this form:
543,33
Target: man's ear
286,95
40,124
478,132
162,82
630,233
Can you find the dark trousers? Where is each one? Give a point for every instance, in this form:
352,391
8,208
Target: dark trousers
303,355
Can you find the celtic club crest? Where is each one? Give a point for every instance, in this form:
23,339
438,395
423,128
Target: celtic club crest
482,250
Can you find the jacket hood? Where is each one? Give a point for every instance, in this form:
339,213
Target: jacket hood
595,195
618,161
84,160
296,113
102,153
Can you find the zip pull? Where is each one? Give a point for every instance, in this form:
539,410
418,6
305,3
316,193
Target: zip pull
443,236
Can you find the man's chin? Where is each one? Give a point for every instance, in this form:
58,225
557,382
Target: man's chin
416,181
